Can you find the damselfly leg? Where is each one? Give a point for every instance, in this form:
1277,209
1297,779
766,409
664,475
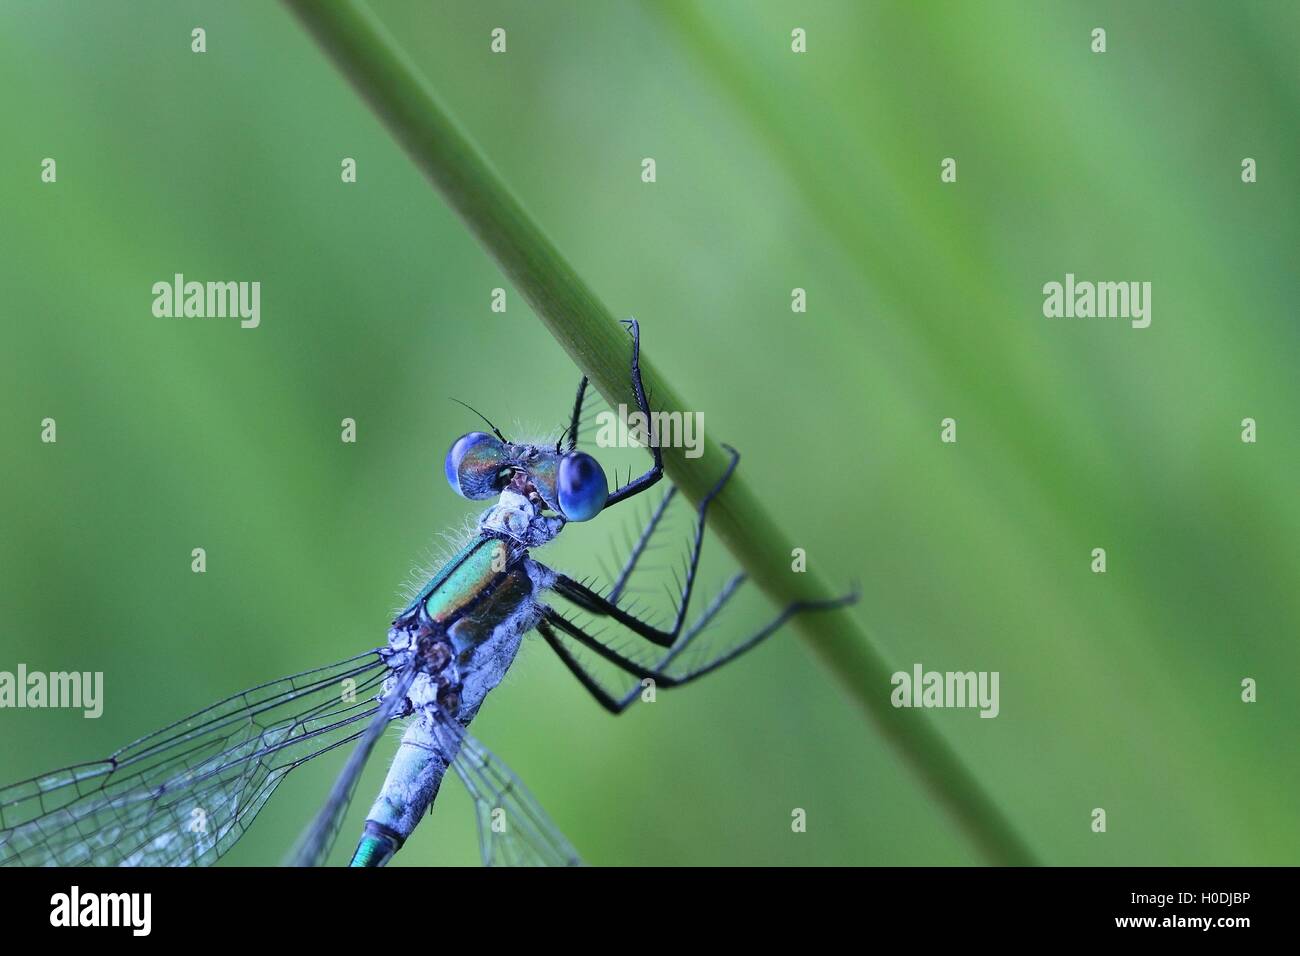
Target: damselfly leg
636,485
665,670
596,603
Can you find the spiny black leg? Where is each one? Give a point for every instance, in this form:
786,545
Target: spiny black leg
790,610
657,469
591,601
603,697
593,643
653,671
577,414
639,548
657,671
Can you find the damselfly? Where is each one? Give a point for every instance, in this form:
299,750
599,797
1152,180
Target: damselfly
185,794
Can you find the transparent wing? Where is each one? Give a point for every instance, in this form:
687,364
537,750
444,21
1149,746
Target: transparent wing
185,794
513,830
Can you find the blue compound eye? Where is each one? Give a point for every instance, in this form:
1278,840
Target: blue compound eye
582,488
476,466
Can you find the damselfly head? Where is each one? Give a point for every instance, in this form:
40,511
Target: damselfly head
572,484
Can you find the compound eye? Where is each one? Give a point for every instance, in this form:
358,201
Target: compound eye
476,466
581,488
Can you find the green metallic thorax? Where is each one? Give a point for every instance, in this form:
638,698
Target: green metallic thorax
481,586
475,570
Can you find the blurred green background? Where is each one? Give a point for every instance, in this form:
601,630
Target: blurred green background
775,171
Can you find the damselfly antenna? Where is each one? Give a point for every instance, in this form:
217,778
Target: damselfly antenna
496,431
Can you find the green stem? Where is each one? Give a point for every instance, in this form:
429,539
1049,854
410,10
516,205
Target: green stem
373,62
